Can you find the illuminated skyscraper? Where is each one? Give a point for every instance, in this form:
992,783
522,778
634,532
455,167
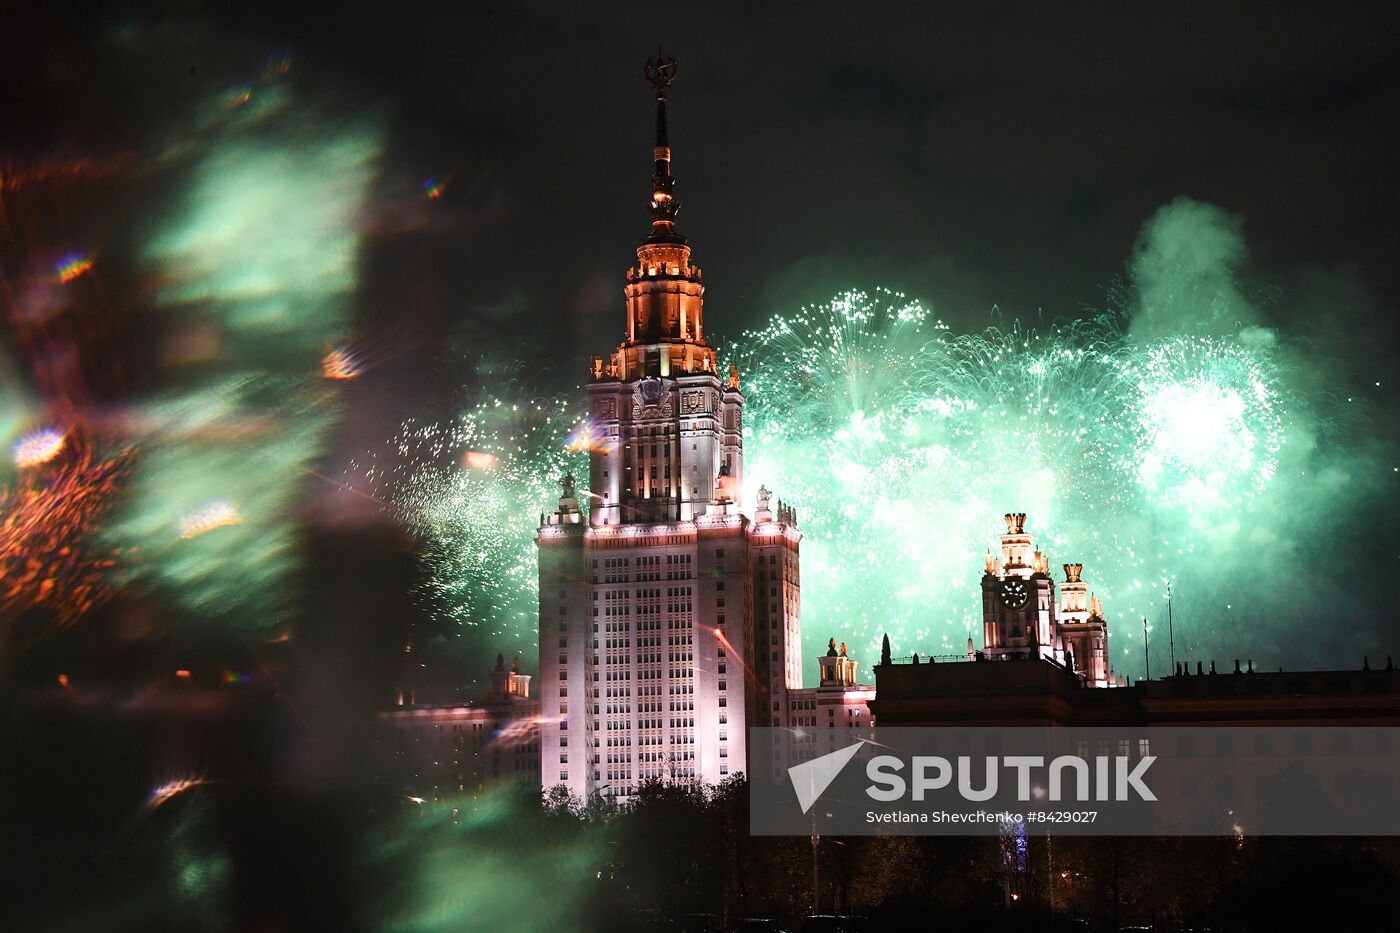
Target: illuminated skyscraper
669,621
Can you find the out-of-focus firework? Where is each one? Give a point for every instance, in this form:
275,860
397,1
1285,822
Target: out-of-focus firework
48,558
340,363
479,460
434,186
18,175
38,447
256,264
584,438
478,863
72,266
170,789
208,517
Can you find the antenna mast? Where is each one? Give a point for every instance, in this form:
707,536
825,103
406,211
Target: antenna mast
1146,658
1171,640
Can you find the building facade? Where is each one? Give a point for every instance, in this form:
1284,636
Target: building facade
1021,617
1038,692
838,701
669,620
1042,657
431,753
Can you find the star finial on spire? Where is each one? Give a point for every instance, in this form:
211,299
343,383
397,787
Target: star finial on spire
661,71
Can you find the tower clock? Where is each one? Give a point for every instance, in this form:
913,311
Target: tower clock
1013,593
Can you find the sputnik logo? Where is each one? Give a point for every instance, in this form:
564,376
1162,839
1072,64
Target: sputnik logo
811,778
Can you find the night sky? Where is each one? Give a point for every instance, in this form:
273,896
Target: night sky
996,159
1003,156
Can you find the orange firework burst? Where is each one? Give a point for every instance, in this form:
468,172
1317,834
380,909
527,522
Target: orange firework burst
45,523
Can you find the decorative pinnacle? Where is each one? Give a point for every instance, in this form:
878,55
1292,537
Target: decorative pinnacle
661,71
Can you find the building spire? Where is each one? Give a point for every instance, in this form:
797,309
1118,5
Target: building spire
665,296
660,72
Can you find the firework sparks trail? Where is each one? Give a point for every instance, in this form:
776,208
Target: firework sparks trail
47,557
472,490
902,443
884,425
